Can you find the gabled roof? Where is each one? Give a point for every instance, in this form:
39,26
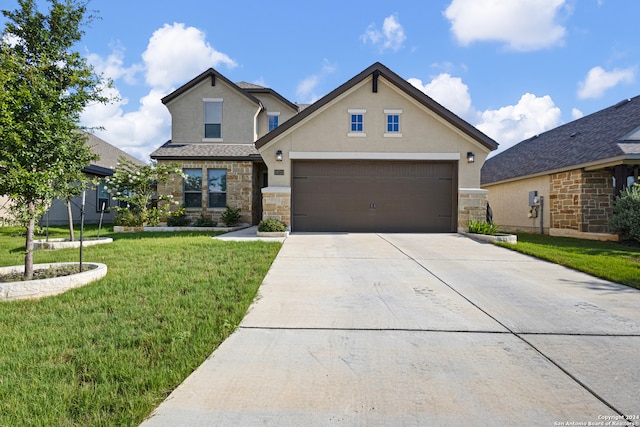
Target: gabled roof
254,88
377,69
108,153
213,75
604,136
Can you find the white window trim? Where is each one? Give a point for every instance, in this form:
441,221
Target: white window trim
352,111
392,111
275,113
221,100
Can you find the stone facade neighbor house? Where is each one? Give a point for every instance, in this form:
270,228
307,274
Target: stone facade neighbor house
95,196
375,154
578,169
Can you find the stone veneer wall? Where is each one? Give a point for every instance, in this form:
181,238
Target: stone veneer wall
581,200
239,187
276,203
472,204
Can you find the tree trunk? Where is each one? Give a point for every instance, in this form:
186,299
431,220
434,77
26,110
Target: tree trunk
70,217
28,253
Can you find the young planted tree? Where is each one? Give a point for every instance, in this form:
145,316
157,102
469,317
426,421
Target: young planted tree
46,85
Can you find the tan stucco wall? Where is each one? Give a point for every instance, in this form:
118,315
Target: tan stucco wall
510,204
422,132
272,105
187,114
5,215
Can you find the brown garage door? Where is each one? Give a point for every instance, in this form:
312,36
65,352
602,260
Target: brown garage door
374,196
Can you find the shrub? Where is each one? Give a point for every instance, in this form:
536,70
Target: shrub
231,216
178,218
127,218
626,213
482,227
272,224
203,221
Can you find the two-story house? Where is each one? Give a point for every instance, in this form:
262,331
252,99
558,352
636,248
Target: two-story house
214,126
375,154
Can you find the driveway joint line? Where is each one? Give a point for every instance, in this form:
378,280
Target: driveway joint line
575,379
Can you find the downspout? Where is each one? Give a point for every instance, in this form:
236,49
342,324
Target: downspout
255,122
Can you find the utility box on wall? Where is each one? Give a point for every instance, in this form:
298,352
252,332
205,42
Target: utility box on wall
533,198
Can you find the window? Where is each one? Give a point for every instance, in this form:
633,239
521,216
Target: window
193,188
217,188
273,120
213,118
393,123
356,122
103,198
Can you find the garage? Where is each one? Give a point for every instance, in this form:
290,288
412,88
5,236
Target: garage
374,196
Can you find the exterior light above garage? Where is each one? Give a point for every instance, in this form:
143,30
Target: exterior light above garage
279,155
471,158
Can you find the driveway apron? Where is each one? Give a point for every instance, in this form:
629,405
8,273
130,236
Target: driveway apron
419,330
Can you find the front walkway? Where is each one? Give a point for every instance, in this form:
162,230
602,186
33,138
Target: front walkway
415,330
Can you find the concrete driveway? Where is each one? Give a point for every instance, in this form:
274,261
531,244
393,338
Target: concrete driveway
419,330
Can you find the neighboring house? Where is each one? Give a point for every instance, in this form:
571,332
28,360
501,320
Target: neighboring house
577,168
375,154
96,197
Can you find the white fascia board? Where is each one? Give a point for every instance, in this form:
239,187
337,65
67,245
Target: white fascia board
359,155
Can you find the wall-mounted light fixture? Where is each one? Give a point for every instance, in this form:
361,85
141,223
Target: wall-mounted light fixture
279,155
471,157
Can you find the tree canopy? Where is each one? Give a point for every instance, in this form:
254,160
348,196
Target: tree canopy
46,85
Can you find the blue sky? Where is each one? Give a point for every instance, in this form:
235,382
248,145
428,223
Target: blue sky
512,68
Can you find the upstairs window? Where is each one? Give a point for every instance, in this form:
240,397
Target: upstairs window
213,118
217,188
193,188
393,123
273,120
356,122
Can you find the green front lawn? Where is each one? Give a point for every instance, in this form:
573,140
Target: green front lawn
108,353
607,260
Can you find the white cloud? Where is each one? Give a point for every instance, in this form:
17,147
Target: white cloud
576,114
448,91
391,36
113,66
306,89
524,25
176,53
507,125
598,81
511,124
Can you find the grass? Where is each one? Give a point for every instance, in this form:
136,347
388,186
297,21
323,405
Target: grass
108,353
607,260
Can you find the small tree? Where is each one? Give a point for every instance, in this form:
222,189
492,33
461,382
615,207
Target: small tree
45,87
626,213
135,186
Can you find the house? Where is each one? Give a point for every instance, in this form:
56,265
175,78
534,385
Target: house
375,154
95,197
578,169
214,126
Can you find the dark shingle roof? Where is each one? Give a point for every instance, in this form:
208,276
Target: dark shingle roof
590,139
170,151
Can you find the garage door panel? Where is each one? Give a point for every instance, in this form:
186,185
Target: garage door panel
372,196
